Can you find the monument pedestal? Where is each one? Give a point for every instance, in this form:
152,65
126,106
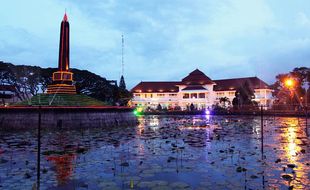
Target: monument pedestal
61,89
62,83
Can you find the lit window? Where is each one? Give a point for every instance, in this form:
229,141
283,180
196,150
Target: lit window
202,95
186,96
194,95
220,93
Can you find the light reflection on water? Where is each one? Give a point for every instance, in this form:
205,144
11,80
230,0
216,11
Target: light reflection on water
296,142
292,147
64,166
195,151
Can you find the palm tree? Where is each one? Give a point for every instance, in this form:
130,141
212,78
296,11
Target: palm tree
223,101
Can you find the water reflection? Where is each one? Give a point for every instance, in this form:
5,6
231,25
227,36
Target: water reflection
290,135
141,125
208,117
64,166
292,147
295,153
154,121
185,152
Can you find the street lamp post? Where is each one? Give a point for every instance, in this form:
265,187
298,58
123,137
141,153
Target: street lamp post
306,106
307,92
290,83
39,149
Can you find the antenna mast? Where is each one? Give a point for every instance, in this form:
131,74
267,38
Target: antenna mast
122,55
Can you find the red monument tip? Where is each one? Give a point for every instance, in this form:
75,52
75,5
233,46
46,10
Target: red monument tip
65,17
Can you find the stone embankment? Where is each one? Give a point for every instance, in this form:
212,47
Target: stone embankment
75,117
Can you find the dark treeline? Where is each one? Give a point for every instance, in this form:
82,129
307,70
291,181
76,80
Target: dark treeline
244,96
298,93
285,97
31,80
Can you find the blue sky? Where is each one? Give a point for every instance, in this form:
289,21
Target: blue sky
164,40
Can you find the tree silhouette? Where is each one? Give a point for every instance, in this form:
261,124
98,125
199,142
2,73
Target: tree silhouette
30,80
298,93
243,96
223,101
122,83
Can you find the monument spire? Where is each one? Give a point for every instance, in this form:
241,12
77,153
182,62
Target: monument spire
63,60
65,16
63,78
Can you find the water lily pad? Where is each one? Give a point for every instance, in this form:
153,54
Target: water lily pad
3,161
107,184
162,188
124,164
179,185
291,165
287,177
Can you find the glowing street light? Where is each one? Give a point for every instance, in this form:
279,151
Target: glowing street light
207,112
138,111
289,83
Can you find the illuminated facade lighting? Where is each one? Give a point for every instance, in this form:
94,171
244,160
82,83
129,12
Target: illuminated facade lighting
197,89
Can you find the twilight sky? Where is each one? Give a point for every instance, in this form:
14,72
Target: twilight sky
164,39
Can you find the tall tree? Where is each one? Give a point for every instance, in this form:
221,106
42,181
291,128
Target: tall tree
296,94
122,83
224,100
29,80
244,96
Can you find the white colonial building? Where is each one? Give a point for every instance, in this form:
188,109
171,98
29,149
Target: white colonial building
196,89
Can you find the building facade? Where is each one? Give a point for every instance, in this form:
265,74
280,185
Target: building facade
199,90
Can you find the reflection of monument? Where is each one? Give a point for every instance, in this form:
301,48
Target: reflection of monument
63,78
64,162
64,166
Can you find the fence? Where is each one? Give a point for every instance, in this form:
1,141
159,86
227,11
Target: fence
276,109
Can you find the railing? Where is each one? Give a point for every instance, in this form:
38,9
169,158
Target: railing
275,109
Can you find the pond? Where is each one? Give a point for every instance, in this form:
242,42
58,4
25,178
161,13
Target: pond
162,152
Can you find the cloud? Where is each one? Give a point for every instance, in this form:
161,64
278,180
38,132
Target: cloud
303,19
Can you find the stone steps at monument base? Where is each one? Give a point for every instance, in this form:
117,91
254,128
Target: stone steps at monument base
63,100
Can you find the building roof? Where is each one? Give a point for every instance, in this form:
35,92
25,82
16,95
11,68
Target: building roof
156,87
197,77
195,80
233,84
194,87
